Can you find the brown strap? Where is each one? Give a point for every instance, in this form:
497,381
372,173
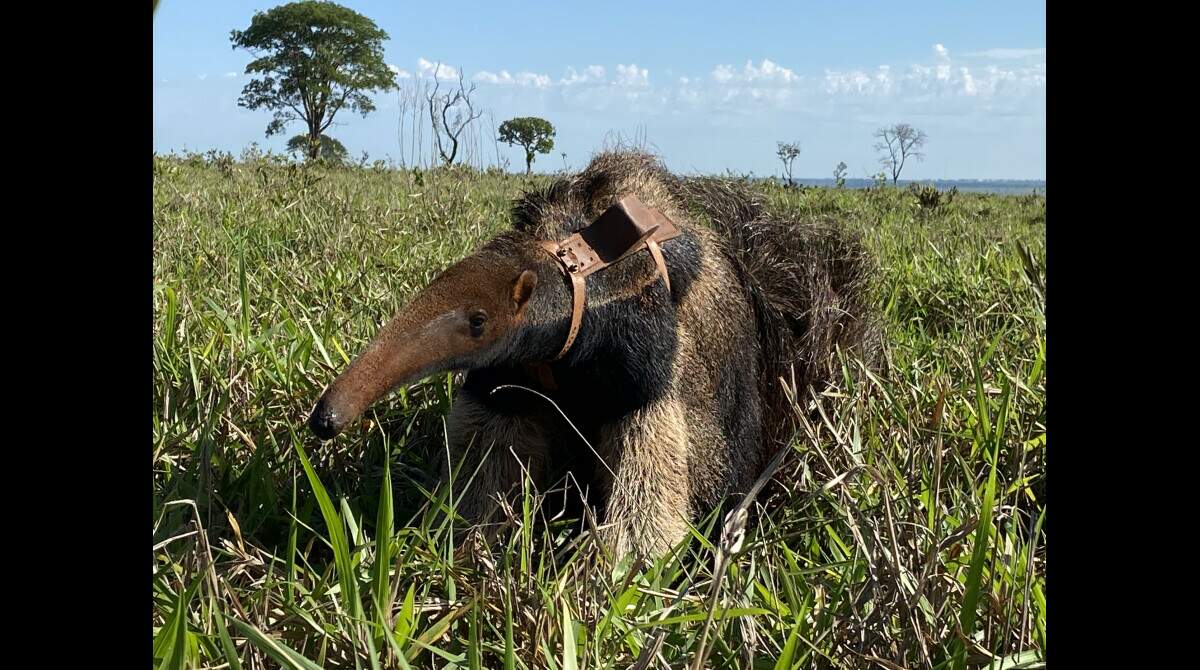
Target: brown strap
578,291
656,252
578,297
603,243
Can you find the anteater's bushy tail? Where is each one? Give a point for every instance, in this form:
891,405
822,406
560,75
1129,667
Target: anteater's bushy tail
810,282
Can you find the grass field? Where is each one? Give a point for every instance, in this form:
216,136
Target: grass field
904,531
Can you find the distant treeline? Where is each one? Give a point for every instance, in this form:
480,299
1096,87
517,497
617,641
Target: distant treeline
998,186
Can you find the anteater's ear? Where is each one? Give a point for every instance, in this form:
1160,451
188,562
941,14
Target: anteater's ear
522,289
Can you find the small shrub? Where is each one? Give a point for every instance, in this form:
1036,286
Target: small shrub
839,173
930,198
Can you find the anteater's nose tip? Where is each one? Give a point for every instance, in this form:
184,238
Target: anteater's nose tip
324,421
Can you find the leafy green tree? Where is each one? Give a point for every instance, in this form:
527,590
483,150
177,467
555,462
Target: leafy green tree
315,59
329,149
534,134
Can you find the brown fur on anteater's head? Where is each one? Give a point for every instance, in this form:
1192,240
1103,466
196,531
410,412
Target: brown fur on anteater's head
465,317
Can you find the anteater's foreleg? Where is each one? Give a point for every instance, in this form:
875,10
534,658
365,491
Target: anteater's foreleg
496,451
648,507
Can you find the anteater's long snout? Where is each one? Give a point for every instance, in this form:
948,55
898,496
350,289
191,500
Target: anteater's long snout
324,421
460,314
422,339
403,352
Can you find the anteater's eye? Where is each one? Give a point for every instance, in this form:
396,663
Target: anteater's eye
477,320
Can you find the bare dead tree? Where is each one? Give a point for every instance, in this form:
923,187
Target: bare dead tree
418,110
402,101
440,111
899,143
495,137
471,144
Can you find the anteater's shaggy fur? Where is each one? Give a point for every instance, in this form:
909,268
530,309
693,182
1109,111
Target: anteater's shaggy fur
679,392
682,393
808,281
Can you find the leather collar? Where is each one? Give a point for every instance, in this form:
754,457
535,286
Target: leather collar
622,230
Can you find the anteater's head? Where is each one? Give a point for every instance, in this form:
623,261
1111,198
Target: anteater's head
470,316
509,303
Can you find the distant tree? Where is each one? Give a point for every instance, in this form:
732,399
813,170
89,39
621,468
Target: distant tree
787,152
315,59
899,143
328,150
445,123
839,174
535,135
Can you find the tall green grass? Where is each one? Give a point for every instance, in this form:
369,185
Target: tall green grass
905,530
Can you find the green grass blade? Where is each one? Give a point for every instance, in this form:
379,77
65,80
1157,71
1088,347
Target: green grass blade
336,528
280,652
789,649
175,651
397,651
510,657
568,633
383,543
974,583
405,620
474,653
227,647
439,627
731,613
244,289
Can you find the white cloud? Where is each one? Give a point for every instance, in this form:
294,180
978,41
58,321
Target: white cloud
1008,54
489,78
943,81
426,69
230,74
400,74
202,77
968,82
941,85
520,79
531,79
632,75
723,73
859,82
592,74
855,81
765,72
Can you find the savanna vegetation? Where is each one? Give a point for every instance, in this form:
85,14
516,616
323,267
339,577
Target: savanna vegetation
904,530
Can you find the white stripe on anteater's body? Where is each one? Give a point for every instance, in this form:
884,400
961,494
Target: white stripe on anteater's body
672,458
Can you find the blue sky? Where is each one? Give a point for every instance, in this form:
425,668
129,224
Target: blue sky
709,87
